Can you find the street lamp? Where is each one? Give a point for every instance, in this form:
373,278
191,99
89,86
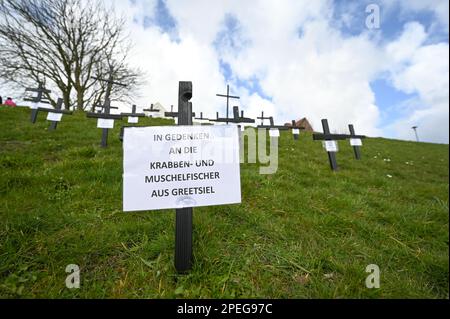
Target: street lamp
415,131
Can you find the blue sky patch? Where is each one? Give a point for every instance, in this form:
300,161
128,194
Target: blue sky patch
163,20
390,101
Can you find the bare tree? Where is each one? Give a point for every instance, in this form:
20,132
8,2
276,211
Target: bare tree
65,43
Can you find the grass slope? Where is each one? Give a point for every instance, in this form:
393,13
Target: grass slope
304,232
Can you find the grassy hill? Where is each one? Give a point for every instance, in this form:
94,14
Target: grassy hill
305,232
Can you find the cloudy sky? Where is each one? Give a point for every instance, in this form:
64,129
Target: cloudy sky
291,59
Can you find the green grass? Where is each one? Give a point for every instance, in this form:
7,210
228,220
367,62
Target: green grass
304,232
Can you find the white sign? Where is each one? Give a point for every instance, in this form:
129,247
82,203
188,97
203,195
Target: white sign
184,166
54,117
133,119
355,142
331,146
274,133
105,123
296,131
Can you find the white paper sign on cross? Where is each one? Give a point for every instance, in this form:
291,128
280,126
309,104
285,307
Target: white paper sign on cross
133,120
331,146
105,123
54,117
185,166
296,131
34,105
274,133
355,142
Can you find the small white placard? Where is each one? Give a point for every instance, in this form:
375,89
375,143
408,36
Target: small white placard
169,167
274,133
54,117
296,131
331,146
133,119
34,105
355,142
105,123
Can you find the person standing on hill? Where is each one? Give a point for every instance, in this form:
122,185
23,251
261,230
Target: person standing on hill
9,102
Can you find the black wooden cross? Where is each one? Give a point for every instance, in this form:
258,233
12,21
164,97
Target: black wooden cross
272,124
228,96
183,225
101,107
294,127
110,82
327,136
171,114
237,118
356,148
175,115
151,110
201,118
132,114
57,110
107,116
39,98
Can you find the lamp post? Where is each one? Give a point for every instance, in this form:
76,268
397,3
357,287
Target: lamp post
415,131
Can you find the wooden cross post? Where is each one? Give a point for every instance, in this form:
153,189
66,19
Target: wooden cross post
107,116
107,106
39,98
133,118
272,123
353,136
110,82
151,110
133,113
330,138
235,119
58,110
202,120
176,115
295,129
228,96
184,216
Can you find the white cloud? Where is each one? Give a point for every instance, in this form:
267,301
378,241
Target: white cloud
425,71
300,60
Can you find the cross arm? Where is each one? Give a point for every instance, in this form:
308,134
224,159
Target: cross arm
330,137
228,96
104,116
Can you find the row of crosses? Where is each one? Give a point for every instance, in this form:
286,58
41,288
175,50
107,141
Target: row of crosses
54,116
42,97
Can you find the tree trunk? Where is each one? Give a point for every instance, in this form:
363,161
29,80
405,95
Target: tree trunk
80,99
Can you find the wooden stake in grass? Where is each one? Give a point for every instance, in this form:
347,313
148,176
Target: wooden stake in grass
330,141
184,216
56,110
355,141
133,118
35,100
152,110
295,129
228,96
106,115
274,130
106,107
